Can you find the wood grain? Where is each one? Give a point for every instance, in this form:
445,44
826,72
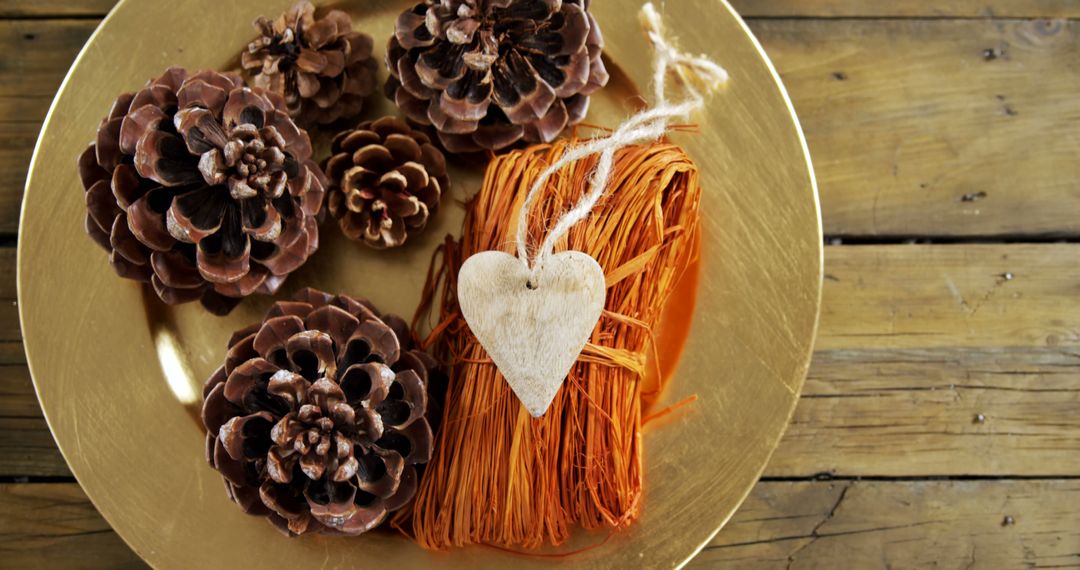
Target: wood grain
38,54
867,524
914,126
12,354
55,526
916,341
878,524
933,127
17,399
27,448
7,274
53,8
950,296
9,322
952,411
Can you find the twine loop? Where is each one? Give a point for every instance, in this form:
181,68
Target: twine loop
699,76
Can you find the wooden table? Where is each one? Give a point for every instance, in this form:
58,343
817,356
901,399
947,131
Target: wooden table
940,423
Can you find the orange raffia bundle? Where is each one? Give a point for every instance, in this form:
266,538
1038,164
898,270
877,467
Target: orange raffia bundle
499,476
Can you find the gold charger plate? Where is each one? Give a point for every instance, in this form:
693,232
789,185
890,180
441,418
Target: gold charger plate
119,375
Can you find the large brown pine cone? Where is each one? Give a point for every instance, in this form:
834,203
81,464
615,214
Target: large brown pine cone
487,73
322,68
203,188
317,418
385,181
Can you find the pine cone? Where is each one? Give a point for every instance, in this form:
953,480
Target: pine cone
385,181
536,60
317,420
322,68
203,188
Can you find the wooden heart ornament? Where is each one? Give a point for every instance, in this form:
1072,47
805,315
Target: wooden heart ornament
532,324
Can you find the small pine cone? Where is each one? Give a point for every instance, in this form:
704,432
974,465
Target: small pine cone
317,420
203,188
487,73
320,65
385,181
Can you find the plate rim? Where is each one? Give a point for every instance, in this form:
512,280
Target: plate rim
804,367
804,361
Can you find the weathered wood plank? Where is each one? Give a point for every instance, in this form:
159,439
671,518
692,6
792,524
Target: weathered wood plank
867,524
17,398
11,353
55,526
876,524
16,147
7,273
907,9
39,53
950,411
53,8
26,444
947,296
27,448
9,321
935,127
915,342
904,118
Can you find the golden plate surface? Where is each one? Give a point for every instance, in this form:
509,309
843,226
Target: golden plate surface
119,375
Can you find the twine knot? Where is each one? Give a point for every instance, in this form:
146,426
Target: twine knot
698,75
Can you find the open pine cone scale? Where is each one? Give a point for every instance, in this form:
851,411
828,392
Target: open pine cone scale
486,74
318,63
386,180
202,187
317,418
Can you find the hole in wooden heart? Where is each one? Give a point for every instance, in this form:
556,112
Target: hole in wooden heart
530,285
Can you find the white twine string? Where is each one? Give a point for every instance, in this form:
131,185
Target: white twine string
649,124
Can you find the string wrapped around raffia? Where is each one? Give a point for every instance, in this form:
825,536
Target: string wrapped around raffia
498,476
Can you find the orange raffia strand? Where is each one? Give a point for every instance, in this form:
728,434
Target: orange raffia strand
498,476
